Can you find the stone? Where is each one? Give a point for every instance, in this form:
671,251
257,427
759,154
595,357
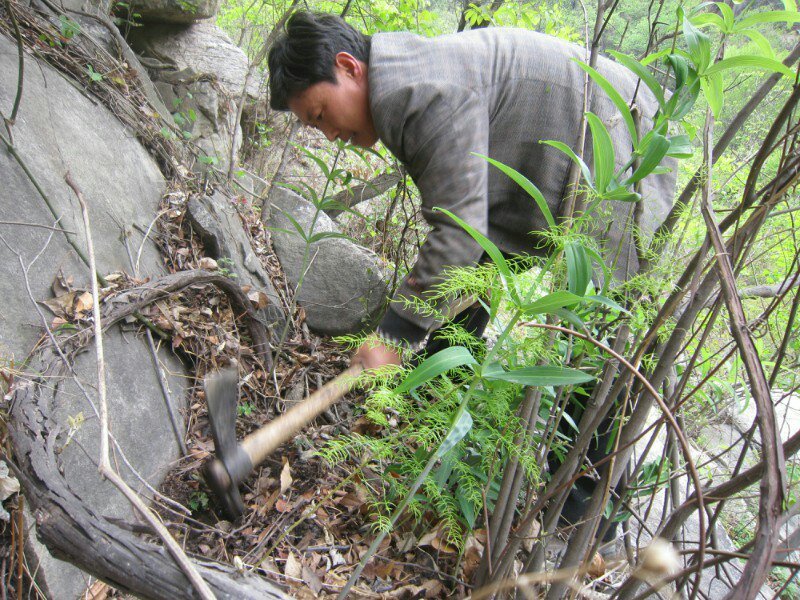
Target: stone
742,413
201,75
217,222
60,131
344,288
175,11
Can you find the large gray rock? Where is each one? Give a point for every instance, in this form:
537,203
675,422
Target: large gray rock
343,286
59,131
217,223
201,74
175,11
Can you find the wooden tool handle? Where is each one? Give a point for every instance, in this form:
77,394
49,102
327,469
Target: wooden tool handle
261,443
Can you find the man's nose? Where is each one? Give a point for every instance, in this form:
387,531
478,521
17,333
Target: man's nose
329,132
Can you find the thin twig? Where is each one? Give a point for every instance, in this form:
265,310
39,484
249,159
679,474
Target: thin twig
106,469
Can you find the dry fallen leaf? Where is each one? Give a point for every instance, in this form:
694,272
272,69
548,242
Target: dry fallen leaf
61,306
598,567
207,263
311,579
293,568
84,303
286,477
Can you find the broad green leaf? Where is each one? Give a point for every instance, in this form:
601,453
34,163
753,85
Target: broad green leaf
705,19
526,185
761,41
680,146
680,67
727,16
622,194
433,366
571,318
493,251
579,268
587,175
712,89
641,72
606,302
749,62
598,260
616,98
603,149
772,16
551,303
653,155
541,376
459,429
466,506
699,45
683,100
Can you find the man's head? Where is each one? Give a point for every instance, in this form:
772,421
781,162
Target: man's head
318,70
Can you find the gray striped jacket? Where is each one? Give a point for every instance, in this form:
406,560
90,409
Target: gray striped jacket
499,92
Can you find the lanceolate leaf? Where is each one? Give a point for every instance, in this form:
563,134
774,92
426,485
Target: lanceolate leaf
655,152
579,268
540,376
526,185
641,71
712,88
441,362
587,175
680,146
492,250
772,16
761,41
616,98
460,428
699,44
551,303
751,62
603,150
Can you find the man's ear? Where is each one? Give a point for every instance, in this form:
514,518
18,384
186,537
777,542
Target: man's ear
350,65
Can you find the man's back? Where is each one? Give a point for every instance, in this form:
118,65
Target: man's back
500,92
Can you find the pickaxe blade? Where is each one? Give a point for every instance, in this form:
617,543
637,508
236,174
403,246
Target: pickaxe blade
225,472
234,461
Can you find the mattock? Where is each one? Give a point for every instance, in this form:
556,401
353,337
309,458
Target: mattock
235,461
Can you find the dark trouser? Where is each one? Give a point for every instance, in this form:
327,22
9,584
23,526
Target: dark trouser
474,319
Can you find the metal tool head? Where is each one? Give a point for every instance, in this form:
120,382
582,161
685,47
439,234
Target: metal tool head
232,464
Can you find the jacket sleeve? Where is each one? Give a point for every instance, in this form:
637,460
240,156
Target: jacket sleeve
434,130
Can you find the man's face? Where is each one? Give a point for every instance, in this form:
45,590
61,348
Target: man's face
339,110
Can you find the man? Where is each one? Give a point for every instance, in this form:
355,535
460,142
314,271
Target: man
434,102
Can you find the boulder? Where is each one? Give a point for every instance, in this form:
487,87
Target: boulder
217,223
343,288
59,131
201,75
175,11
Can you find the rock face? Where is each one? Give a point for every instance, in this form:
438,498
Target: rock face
175,11
215,220
59,131
201,75
343,287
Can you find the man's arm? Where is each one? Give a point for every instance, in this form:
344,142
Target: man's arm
435,129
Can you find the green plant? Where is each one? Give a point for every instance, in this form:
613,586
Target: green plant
94,76
245,409
226,267
198,501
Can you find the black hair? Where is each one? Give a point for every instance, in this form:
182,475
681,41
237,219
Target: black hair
306,52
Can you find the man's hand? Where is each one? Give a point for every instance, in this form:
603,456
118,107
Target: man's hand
373,353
